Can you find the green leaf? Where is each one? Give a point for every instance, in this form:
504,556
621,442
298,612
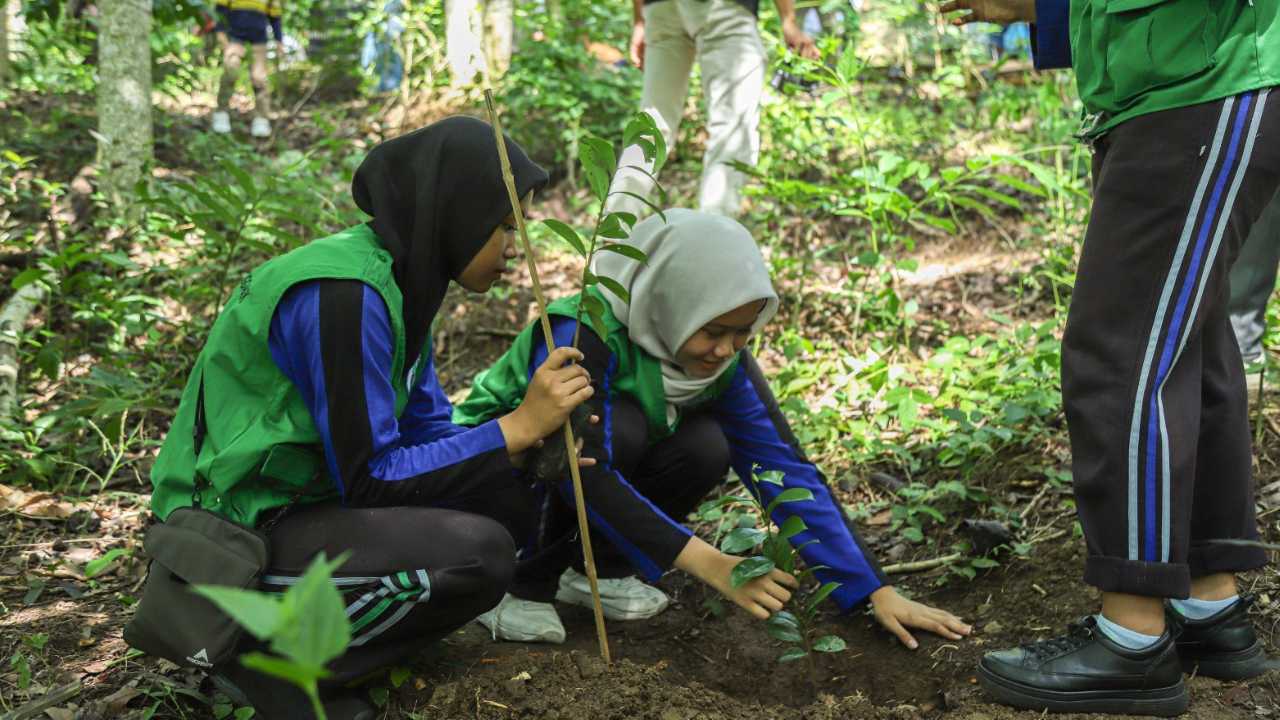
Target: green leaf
615,287
623,249
742,539
792,655
984,563
97,565
221,710
749,569
913,534
783,626
568,233
244,713
597,153
791,527
300,674
379,696
28,276
790,495
398,675
657,210
319,630
258,612
830,644
773,477
611,227
821,595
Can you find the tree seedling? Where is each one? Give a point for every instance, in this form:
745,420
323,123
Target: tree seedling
600,186
796,627
304,628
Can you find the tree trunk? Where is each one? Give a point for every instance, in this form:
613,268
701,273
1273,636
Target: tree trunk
500,28
4,42
124,96
463,40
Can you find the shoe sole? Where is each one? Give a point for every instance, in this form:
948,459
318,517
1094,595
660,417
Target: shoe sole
573,596
500,634
1161,702
1241,665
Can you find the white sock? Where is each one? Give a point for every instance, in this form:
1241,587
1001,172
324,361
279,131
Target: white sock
1195,609
1123,636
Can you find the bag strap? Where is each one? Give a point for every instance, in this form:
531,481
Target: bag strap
199,428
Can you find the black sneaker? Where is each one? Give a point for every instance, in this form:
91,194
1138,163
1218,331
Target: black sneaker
1223,646
1084,671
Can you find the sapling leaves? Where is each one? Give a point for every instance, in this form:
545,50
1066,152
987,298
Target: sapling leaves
750,569
568,233
790,495
648,203
830,644
792,655
630,251
820,595
595,313
791,527
742,539
259,613
784,626
615,287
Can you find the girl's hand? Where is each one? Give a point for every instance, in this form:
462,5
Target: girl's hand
761,597
897,613
555,389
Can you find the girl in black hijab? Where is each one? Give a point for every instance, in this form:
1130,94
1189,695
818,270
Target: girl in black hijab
414,498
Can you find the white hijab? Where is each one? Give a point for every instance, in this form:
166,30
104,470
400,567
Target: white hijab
700,267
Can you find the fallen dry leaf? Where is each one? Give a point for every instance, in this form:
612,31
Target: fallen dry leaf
39,505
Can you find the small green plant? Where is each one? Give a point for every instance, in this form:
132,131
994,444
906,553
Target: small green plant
599,165
305,628
796,627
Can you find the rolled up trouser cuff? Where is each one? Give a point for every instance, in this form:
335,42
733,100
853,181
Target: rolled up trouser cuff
1134,577
1207,558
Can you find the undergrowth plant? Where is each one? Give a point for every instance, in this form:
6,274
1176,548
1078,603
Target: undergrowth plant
304,628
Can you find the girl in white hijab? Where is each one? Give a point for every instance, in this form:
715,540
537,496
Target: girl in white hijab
681,400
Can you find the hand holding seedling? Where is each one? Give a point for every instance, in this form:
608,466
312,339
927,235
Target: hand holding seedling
897,613
761,596
556,388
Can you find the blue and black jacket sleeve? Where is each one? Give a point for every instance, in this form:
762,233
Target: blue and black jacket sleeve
635,526
1051,35
760,438
333,340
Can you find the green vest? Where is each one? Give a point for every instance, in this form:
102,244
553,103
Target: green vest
261,449
1134,57
638,375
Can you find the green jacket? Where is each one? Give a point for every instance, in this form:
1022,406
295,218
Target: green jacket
1134,57
261,449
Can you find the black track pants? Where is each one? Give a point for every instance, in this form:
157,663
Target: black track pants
674,474
414,575
1151,374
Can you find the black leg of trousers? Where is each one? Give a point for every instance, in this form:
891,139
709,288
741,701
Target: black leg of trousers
675,474
425,571
1151,386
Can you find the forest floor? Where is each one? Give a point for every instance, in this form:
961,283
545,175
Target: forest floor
61,612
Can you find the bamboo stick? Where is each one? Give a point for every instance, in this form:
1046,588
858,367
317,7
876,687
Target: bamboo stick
584,530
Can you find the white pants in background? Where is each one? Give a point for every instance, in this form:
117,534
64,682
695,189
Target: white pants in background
722,36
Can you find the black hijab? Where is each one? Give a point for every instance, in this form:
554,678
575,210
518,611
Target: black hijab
436,195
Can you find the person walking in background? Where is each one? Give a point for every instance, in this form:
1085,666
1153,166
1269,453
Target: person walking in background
247,25
722,36
1253,279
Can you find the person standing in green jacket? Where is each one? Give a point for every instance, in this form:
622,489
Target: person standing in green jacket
1179,113
314,415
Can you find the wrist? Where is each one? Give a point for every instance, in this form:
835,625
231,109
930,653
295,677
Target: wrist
881,593
516,432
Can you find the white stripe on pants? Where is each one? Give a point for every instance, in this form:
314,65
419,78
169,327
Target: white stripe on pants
722,36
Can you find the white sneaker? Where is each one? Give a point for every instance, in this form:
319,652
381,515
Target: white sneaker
260,128
523,621
622,598
221,122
